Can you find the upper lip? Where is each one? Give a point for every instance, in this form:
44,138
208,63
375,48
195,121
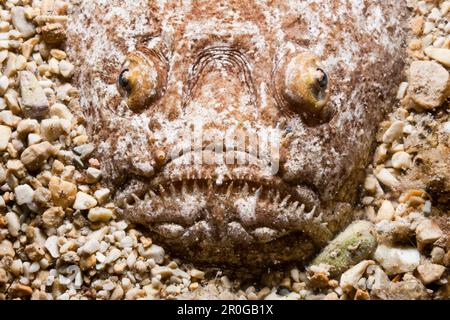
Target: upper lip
172,173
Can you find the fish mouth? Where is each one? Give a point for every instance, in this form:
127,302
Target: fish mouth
221,203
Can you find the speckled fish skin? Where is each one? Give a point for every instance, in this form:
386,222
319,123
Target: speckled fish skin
219,63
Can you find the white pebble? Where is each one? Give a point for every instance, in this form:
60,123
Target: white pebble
401,160
13,223
83,201
52,246
24,194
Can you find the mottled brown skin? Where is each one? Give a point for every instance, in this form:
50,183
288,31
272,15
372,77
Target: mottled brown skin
233,65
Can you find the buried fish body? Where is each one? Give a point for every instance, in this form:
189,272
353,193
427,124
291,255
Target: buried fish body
237,132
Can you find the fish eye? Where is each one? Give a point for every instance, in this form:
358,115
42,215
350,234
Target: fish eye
305,83
141,80
123,81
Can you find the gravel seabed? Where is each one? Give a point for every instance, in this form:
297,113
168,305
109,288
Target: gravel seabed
60,237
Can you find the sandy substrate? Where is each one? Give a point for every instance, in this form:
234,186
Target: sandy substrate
60,237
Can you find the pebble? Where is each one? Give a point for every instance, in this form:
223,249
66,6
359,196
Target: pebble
6,249
351,277
429,272
386,211
428,232
52,246
61,111
429,84
90,247
102,195
63,193
34,102
397,260
66,68
24,194
93,175
401,160
441,55
394,132
387,179
13,223
84,151
356,243
52,129
53,217
36,155
84,201
20,22
5,136
100,214
437,255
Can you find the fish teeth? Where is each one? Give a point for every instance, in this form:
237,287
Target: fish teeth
293,207
285,200
245,189
173,191
277,197
196,189
230,189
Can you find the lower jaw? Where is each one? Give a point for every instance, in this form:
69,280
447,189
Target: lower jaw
243,228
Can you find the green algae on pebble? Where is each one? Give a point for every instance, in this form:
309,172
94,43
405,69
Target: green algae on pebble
356,243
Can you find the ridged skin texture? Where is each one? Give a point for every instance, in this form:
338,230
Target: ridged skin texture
229,67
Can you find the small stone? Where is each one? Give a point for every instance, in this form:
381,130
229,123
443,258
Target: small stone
83,201
84,151
156,253
4,84
66,68
102,195
387,178
113,255
34,252
429,84
401,160
6,249
24,194
63,192
5,136
356,243
53,217
13,223
28,126
36,155
117,294
427,232
52,129
350,278
362,295
441,55
19,290
88,262
394,132
20,22
51,244
397,260
93,175
429,273
417,25
53,33
437,255
61,111
386,211
34,102
90,247
100,214
197,274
